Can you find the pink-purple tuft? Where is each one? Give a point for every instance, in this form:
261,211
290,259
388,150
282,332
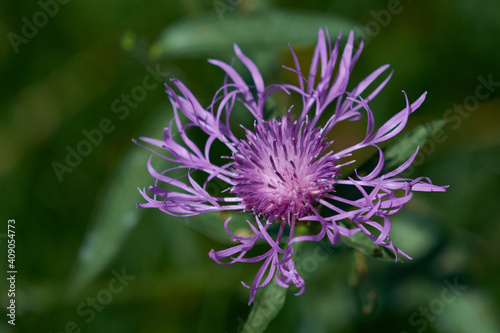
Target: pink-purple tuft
281,170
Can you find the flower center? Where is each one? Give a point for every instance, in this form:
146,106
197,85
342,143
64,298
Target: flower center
281,170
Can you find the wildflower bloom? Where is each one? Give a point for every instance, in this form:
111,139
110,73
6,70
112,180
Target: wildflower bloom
283,170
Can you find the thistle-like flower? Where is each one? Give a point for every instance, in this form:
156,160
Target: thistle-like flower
283,171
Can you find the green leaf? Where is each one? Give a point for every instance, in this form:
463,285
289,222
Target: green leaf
398,152
364,244
211,35
115,215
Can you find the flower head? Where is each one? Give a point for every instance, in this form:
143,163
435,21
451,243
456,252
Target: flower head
283,170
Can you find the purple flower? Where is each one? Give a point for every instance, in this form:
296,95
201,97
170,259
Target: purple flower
283,170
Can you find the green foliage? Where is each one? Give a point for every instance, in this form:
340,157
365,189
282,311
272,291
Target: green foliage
115,216
209,35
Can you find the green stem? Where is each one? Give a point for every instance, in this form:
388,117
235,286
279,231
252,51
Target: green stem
267,305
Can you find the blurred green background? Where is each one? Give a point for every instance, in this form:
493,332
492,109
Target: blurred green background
66,76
